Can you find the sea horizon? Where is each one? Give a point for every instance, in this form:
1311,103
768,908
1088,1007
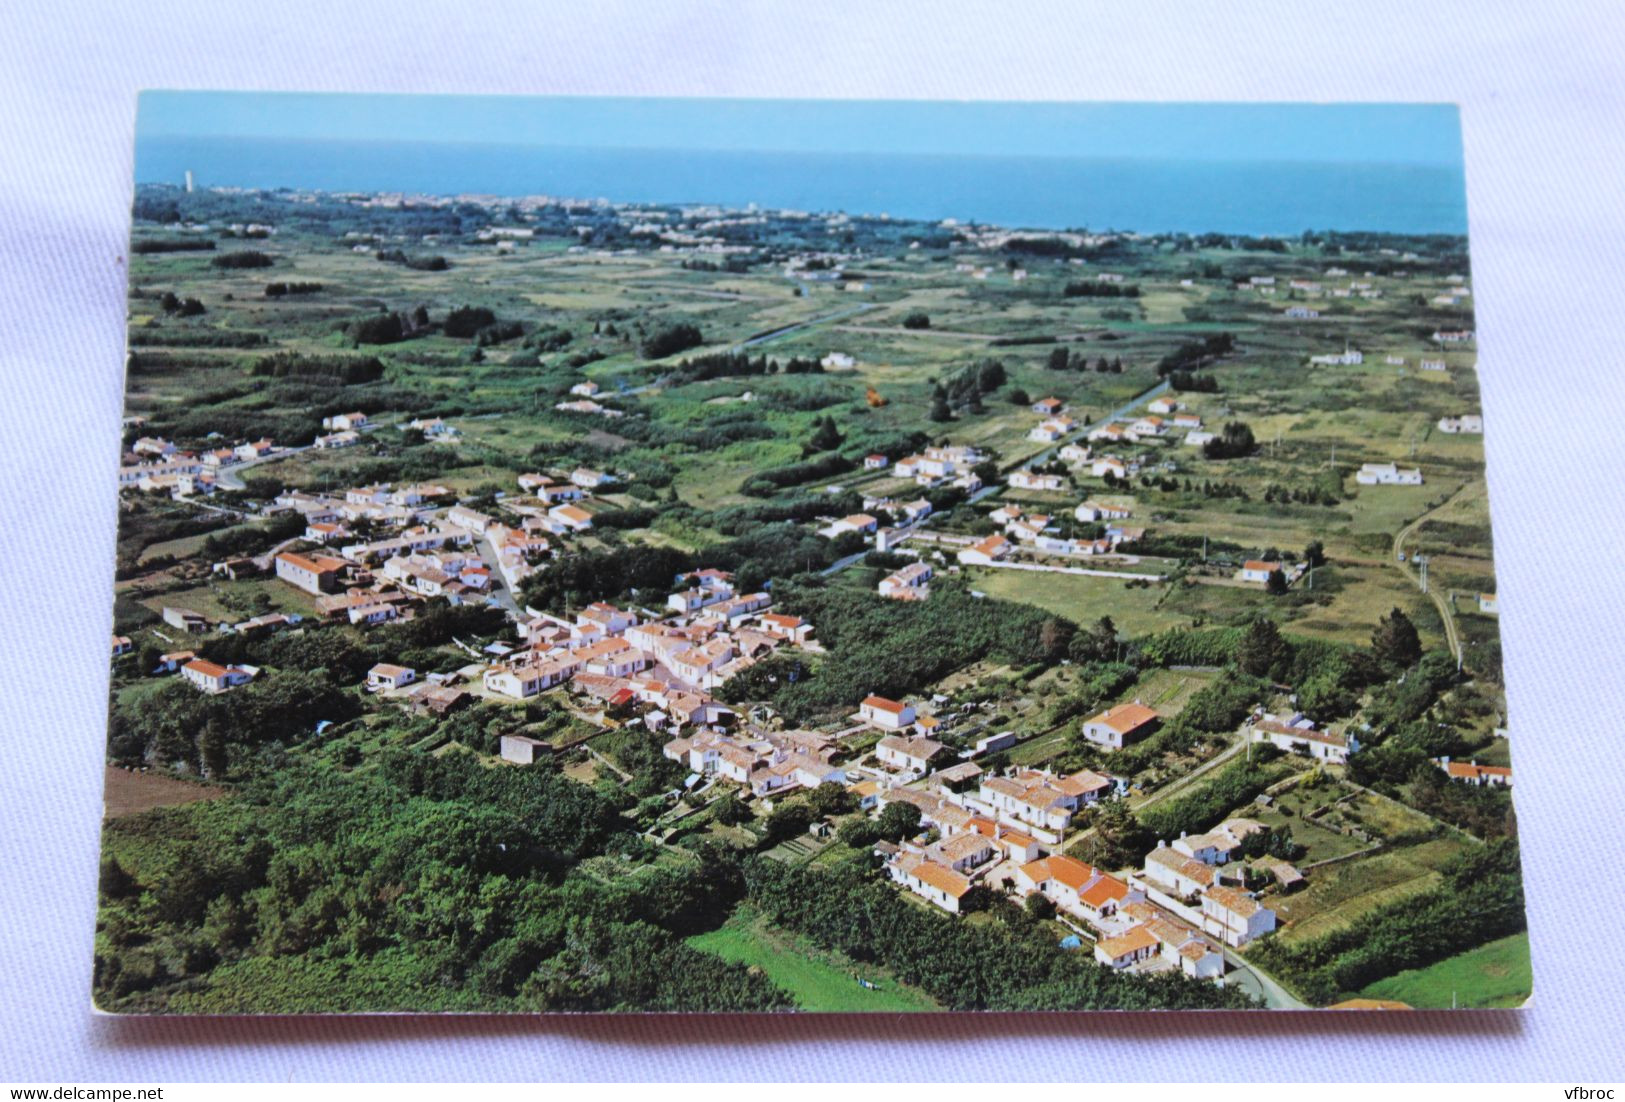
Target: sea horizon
1146,194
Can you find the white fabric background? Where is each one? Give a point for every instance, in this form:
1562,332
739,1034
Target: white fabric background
1541,96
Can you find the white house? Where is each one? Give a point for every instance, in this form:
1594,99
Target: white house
903,752
1052,430
1177,873
1234,916
571,517
1092,511
886,713
1387,474
585,390
909,583
1117,727
1470,772
1349,357
988,551
212,677
935,883
876,462
1489,604
1299,735
1025,479
1466,423
387,676
1257,570
855,522
1165,404
1073,886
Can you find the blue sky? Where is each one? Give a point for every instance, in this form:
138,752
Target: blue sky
1417,134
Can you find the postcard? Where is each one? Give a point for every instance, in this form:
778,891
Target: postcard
582,555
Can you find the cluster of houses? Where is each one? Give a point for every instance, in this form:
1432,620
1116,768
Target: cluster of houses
1007,833
1035,532
763,762
156,465
1057,424
670,664
1201,879
949,464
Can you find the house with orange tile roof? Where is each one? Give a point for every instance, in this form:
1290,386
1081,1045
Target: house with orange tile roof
1299,735
1234,915
932,882
1258,570
890,714
792,629
1074,886
571,517
906,753
1132,946
990,550
316,574
1116,727
211,677
1470,772
1178,874
1178,943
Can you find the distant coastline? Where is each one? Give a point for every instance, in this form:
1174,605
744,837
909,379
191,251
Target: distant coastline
1145,195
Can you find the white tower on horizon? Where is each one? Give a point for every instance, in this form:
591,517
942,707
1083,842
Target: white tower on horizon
188,181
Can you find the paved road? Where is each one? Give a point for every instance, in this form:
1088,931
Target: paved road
785,331
499,585
1256,983
1440,600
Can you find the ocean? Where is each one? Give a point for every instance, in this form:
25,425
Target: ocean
1040,192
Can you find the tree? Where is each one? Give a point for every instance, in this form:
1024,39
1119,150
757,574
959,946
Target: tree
829,799
918,319
789,820
1315,553
1040,906
1019,397
1118,838
730,810
1261,648
1395,641
826,437
939,405
1234,442
898,821
1058,359
670,340
1054,636
1097,643
1275,583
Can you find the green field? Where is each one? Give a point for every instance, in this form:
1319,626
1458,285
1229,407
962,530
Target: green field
817,980
1493,975
1081,598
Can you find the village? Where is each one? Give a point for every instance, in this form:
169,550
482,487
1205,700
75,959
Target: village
703,583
